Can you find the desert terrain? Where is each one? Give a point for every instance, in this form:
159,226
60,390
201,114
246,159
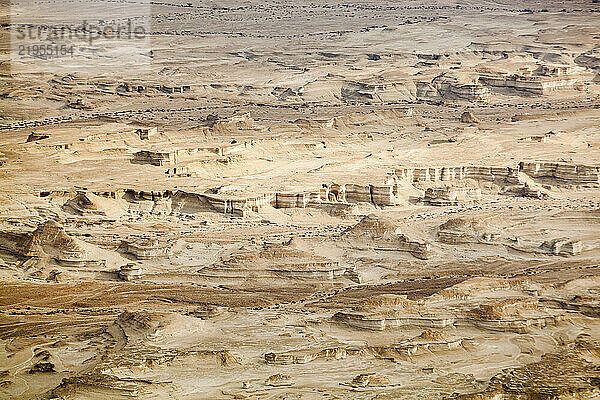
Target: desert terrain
301,200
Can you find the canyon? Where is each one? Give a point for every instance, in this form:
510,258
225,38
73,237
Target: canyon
275,200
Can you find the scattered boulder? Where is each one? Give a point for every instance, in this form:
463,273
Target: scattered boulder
55,276
130,272
467,117
34,136
42,367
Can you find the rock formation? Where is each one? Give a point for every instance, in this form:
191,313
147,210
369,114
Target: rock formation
563,375
35,136
353,193
49,240
477,173
268,200
279,380
467,117
382,234
42,367
451,195
147,248
370,380
562,246
563,173
90,204
306,356
469,230
130,272
280,259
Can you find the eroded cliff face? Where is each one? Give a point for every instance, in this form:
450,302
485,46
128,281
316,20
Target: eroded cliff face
50,241
471,230
563,173
382,233
302,200
556,173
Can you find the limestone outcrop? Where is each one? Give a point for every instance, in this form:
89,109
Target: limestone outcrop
147,248
516,315
470,304
366,118
458,186
383,234
390,311
429,341
218,153
279,380
49,240
296,200
563,173
352,193
451,195
379,322
156,158
469,230
306,356
562,247
528,85
370,380
130,272
453,87
89,204
477,173
517,179
539,79
274,259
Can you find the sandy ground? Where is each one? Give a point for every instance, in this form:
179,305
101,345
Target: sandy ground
235,206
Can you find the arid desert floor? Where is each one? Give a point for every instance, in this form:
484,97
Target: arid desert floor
303,200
